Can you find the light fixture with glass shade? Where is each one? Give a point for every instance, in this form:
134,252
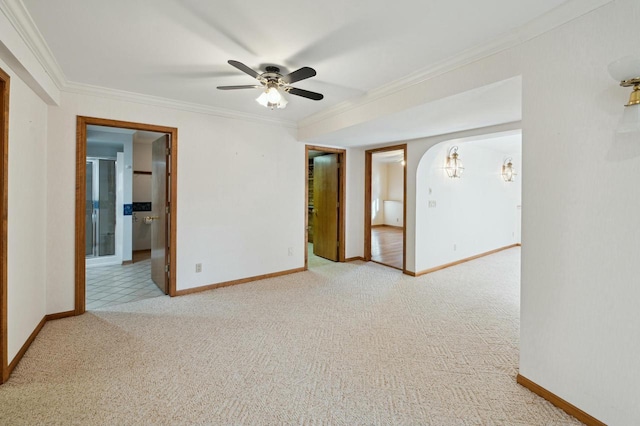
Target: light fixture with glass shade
272,98
454,164
508,171
627,71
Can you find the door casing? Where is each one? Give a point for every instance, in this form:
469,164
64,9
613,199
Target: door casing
367,203
80,228
4,170
342,157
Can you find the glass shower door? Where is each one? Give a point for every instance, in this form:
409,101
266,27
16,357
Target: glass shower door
100,208
89,237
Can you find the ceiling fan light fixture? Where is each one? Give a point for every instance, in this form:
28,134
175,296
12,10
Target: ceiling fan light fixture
272,98
274,84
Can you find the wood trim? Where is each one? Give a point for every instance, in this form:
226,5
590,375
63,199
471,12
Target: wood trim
353,259
458,262
236,282
127,262
81,153
567,407
4,187
389,226
60,315
26,345
388,266
32,337
367,203
368,158
342,155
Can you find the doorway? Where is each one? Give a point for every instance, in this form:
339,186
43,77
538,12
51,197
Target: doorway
324,205
104,208
385,206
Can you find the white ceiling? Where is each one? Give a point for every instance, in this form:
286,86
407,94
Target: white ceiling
179,49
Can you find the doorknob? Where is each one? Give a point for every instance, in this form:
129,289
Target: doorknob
148,219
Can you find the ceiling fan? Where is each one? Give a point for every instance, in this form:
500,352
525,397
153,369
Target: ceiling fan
273,83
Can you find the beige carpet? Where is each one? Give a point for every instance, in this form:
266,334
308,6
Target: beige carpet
343,344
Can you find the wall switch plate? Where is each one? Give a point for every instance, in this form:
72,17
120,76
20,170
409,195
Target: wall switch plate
290,251
198,267
432,203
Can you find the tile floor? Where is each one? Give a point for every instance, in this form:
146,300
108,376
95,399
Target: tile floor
113,285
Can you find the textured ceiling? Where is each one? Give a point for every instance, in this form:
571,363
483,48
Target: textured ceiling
178,49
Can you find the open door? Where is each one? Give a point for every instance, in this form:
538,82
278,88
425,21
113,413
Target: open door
160,207
326,187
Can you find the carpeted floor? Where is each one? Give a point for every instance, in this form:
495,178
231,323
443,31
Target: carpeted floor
355,343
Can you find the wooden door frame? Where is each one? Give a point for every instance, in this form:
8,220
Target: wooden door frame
342,175
367,202
80,228
4,197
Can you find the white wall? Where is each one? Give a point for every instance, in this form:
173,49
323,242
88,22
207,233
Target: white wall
240,194
474,214
127,192
394,203
141,232
379,187
354,223
579,314
395,181
27,213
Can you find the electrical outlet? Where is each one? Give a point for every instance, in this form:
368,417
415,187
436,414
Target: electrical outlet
198,267
290,251
432,203
455,247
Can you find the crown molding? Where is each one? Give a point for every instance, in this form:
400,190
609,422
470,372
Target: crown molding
122,95
17,14
562,14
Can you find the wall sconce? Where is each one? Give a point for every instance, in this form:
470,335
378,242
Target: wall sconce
627,71
508,171
454,165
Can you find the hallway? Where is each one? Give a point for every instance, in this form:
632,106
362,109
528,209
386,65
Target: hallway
386,245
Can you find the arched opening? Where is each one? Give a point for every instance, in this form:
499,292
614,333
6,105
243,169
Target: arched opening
478,213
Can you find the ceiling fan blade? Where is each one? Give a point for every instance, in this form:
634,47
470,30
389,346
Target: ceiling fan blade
305,93
242,67
255,86
297,75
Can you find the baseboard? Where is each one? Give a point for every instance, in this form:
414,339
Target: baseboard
458,262
353,259
60,315
26,345
127,262
236,282
567,407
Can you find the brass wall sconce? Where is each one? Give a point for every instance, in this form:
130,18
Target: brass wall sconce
454,164
508,171
627,71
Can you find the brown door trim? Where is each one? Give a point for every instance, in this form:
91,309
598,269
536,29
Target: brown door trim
4,187
342,156
367,203
172,180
